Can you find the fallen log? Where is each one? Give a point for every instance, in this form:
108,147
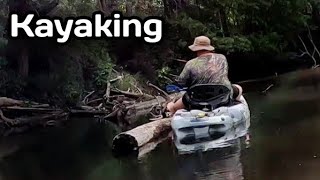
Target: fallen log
77,112
4,101
134,111
132,95
59,116
28,109
128,143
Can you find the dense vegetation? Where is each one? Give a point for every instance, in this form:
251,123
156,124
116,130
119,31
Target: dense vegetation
42,70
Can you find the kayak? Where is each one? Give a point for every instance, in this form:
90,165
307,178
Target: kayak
203,129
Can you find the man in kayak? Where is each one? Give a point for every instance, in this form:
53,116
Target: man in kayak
207,68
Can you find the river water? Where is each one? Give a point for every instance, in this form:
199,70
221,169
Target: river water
285,133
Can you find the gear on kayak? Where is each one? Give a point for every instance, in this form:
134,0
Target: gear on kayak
213,119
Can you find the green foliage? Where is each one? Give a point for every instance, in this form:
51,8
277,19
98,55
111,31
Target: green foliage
235,26
249,24
95,54
95,58
103,71
11,84
233,44
3,44
3,62
191,27
163,74
76,8
73,83
270,43
129,81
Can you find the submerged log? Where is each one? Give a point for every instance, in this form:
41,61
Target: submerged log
147,148
128,143
59,116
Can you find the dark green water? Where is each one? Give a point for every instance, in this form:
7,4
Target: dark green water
284,146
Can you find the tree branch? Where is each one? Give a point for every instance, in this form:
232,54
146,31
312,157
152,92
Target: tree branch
308,53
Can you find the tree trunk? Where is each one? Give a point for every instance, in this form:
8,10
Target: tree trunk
47,8
316,14
174,6
224,22
107,6
23,62
166,8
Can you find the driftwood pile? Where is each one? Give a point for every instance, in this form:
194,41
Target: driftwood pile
120,107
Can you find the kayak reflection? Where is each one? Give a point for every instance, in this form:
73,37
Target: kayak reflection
222,163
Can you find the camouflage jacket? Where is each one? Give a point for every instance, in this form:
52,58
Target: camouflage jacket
205,69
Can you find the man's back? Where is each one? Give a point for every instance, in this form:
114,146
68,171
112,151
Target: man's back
206,69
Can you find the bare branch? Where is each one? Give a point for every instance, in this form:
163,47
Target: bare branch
85,100
160,90
107,95
180,60
269,87
5,119
311,40
308,53
136,88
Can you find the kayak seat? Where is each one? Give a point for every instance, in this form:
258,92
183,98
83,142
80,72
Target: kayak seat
209,96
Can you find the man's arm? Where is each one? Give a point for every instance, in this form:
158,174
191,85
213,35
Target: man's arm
223,63
184,77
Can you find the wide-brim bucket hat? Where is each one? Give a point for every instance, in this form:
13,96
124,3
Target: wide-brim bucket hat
201,43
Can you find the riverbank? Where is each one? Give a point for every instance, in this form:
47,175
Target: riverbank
82,150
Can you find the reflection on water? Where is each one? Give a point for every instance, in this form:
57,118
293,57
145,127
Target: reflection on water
284,146
217,164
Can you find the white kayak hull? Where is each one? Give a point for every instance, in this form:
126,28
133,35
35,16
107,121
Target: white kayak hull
217,129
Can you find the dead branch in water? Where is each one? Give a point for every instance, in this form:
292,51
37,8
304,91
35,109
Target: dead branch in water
120,107
5,119
269,87
315,49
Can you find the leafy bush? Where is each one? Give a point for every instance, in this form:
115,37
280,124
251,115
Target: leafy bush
162,76
129,81
233,44
271,43
103,72
72,84
11,84
3,44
